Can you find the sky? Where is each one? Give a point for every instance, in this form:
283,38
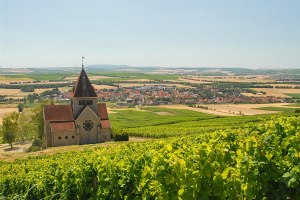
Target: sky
171,33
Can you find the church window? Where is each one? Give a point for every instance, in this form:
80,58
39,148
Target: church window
81,102
88,125
89,102
66,137
73,137
59,138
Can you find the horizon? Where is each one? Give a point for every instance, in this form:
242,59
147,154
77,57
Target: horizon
173,34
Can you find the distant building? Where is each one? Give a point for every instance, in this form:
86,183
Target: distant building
83,122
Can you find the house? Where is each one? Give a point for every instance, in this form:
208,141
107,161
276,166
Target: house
84,121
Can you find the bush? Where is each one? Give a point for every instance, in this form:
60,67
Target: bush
33,149
119,135
36,145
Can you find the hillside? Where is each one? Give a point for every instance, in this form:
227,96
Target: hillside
258,161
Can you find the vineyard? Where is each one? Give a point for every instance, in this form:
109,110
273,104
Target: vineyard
178,122
260,161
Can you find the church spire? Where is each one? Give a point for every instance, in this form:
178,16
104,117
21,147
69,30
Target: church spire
83,86
82,65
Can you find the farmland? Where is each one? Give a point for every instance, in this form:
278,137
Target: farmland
257,161
190,137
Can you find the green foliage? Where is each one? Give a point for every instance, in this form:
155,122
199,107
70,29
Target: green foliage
27,88
258,162
20,107
38,118
150,123
10,127
282,109
26,127
32,97
39,77
295,96
119,135
37,145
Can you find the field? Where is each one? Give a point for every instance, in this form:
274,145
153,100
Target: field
295,96
17,93
149,122
235,79
278,92
5,110
230,109
37,77
253,162
151,84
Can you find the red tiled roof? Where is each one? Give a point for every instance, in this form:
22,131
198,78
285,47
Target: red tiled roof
58,112
83,87
105,124
102,111
62,126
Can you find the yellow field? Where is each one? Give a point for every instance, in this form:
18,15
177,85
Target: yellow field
241,79
4,111
151,84
74,78
277,92
230,109
100,87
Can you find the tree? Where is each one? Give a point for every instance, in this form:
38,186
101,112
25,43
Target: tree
38,118
27,130
20,107
10,127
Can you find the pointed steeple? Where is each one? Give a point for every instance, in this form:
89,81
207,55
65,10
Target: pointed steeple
83,86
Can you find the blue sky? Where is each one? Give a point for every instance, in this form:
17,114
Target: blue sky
181,33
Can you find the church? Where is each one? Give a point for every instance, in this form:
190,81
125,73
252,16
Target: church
84,121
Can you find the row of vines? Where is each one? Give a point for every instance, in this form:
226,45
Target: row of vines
259,161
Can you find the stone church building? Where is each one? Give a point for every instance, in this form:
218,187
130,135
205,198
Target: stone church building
85,121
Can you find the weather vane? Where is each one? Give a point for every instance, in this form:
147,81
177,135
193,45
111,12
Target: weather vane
82,62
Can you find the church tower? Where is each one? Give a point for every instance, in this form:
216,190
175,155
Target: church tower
83,94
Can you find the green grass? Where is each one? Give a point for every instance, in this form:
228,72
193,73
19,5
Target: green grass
148,123
122,76
295,96
39,77
281,109
293,105
150,117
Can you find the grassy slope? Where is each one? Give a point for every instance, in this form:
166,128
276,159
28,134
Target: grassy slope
38,77
148,123
295,96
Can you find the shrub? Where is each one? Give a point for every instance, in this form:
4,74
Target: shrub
37,145
119,135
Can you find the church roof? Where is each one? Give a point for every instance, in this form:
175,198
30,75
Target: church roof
83,87
58,113
62,126
102,111
105,123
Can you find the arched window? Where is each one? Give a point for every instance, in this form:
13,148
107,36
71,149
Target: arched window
66,137
59,138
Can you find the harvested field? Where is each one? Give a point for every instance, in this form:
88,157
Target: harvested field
152,84
231,109
277,92
17,93
4,111
100,87
74,78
